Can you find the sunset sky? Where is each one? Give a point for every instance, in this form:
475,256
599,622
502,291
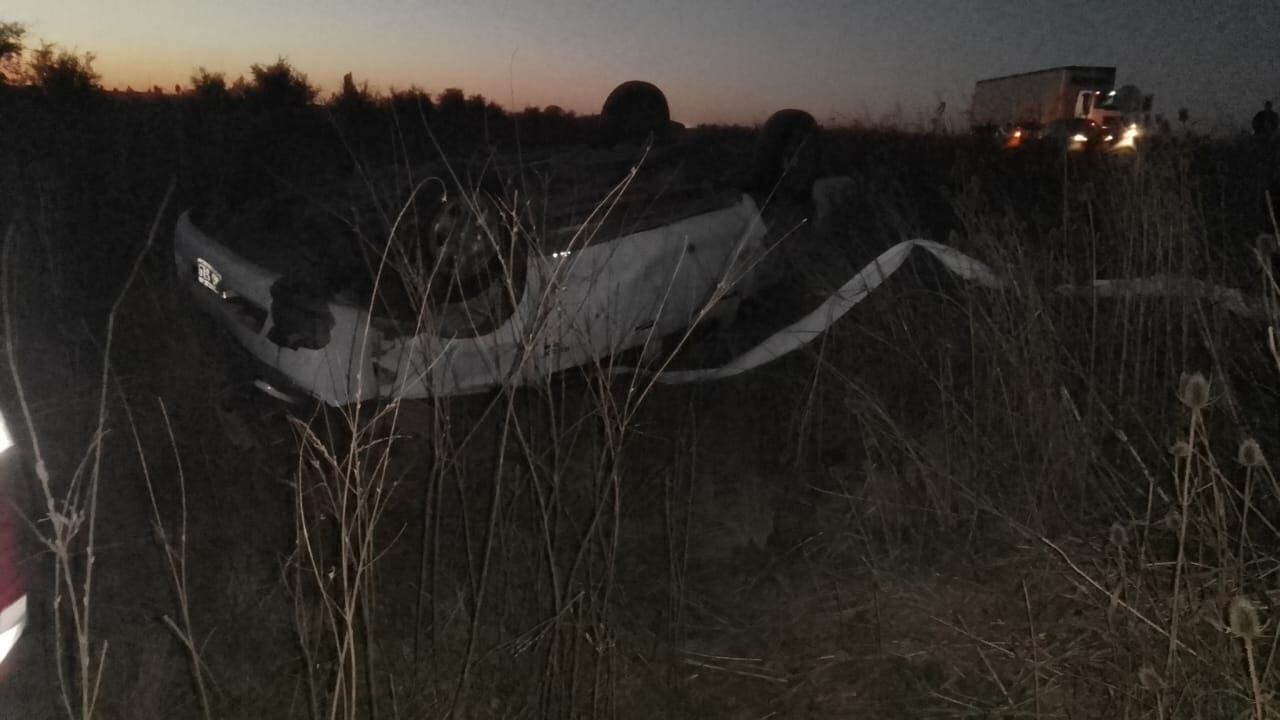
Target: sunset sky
717,60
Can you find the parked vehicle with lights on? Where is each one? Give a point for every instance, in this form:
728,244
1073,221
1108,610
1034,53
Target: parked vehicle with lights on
1015,108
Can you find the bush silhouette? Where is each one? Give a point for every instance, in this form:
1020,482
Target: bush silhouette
354,105
11,47
209,88
278,86
452,102
61,72
407,104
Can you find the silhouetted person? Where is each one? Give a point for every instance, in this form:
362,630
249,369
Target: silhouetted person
1266,124
1266,128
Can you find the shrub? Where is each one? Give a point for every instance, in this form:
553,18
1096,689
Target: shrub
407,103
63,72
278,86
354,105
11,47
209,87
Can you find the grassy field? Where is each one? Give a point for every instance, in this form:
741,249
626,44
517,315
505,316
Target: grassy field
960,503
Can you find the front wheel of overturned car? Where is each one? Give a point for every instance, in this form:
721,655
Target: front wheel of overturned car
787,157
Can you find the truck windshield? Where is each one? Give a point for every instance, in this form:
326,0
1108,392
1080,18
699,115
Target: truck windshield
1126,100
1109,101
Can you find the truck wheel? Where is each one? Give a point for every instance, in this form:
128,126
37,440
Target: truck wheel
634,110
787,155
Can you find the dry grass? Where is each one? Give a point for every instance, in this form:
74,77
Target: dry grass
959,503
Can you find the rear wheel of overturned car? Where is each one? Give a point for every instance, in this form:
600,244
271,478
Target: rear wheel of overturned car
788,155
475,264
634,111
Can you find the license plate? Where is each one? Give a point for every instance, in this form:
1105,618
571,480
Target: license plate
208,277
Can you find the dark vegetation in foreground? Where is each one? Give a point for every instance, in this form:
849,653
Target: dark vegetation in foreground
959,502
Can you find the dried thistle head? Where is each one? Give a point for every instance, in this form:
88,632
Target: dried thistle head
1250,453
1193,391
1266,245
1180,449
1242,618
1149,679
1119,535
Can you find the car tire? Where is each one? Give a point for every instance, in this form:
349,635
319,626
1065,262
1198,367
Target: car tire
480,264
635,111
788,155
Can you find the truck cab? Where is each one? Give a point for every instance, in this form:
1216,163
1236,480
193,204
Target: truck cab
1124,114
1127,103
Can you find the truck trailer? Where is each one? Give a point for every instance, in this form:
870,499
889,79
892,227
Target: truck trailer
1024,104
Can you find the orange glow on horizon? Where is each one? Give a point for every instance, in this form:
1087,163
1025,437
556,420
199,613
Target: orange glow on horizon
572,94
844,61
583,99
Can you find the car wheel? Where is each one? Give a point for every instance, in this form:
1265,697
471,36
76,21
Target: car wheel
634,111
476,265
462,243
787,156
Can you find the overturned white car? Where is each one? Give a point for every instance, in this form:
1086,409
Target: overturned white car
573,306
506,281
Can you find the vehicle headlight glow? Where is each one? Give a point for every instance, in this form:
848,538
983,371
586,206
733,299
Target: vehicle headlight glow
1079,137
13,619
1128,138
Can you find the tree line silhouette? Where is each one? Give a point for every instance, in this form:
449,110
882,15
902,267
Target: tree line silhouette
279,94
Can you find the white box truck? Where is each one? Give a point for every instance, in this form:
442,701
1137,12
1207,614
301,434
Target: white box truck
1024,104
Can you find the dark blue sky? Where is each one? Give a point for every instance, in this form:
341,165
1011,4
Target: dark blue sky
730,60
